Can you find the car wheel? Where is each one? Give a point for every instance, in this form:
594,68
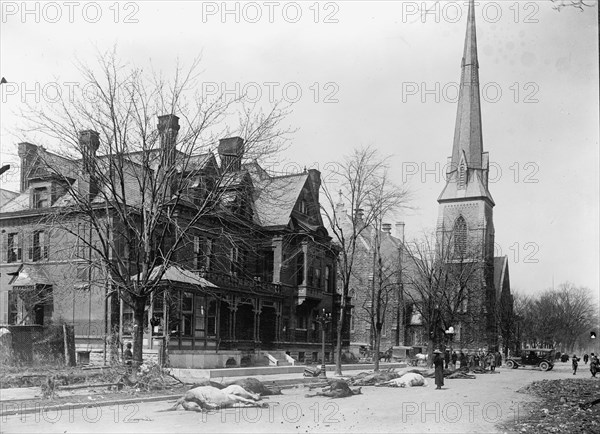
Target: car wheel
545,366
511,364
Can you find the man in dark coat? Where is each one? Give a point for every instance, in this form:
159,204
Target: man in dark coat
594,365
438,363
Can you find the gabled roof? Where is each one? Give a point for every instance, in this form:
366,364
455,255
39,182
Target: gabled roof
30,275
500,274
474,189
276,197
176,274
6,196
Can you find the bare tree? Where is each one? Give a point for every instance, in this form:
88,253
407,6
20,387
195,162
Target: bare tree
363,184
579,4
560,317
150,187
440,282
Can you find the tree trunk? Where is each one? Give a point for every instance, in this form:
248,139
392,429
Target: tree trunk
430,352
138,331
377,346
340,329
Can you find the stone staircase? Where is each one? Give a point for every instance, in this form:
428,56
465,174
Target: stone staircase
278,358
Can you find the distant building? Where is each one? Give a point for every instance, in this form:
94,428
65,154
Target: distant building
237,288
362,291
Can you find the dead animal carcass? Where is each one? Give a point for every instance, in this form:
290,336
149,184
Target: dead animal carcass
410,379
255,386
211,398
337,389
374,378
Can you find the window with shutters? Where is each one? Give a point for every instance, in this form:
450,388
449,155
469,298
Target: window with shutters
202,253
300,269
317,279
187,312
13,248
41,197
38,246
211,319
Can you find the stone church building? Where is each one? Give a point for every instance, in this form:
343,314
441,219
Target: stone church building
465,222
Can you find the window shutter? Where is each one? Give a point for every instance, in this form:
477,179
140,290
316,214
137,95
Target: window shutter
4,247
29,246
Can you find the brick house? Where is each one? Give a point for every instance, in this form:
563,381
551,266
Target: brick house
237,288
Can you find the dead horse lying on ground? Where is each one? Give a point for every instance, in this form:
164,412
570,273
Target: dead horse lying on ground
336,389
211,398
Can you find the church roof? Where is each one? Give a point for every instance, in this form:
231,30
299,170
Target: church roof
500,273
475,188
467,150
467,132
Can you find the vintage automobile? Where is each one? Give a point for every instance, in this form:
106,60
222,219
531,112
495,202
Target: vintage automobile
542,358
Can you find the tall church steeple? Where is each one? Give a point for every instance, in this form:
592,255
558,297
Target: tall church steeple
467,169
465,227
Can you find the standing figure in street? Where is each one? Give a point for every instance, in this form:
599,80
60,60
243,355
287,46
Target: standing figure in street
586,358
438,363
594,365
498,357
446,358
476,360
492,361
574,361
454,359
128,357
463,360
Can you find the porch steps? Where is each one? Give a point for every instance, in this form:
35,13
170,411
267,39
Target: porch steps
278,358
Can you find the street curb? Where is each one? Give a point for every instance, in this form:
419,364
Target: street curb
17,407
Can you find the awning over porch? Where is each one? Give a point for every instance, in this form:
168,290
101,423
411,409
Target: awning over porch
177,274
28,276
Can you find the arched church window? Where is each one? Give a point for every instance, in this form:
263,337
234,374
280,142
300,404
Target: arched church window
460,236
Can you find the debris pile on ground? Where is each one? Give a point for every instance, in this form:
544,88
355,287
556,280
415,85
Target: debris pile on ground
336,389
149,378
565,406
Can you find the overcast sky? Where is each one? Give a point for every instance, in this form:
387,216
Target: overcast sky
371,73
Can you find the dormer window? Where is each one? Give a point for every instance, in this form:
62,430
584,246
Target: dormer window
462,176
303,207
41,198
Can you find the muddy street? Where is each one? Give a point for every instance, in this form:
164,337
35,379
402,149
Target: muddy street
461,406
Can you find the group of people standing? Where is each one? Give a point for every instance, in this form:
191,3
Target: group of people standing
465,360
594,363
472,360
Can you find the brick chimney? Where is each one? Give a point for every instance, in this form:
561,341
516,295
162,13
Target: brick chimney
27,153
168,127
89,142
400,231
231,151
387,228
